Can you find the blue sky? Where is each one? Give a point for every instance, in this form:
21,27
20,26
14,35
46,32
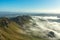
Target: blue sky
41,6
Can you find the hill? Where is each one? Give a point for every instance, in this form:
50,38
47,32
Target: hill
13,29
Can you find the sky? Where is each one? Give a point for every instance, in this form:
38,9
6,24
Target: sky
37,6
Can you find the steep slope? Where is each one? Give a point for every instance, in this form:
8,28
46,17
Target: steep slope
14,29
29,28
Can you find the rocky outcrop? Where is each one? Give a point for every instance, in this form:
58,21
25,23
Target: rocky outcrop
51,34
21,19
4,22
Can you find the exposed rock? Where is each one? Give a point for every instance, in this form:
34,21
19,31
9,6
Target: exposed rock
4,21
51,34
21,19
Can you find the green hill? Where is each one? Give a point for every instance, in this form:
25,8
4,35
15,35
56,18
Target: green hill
11,29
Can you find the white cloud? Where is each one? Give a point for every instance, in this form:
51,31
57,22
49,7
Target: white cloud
42,11
35,10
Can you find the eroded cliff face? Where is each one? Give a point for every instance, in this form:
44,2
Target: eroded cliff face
28,28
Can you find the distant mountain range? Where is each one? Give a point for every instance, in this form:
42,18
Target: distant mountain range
2,14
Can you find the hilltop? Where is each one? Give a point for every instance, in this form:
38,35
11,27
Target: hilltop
13,28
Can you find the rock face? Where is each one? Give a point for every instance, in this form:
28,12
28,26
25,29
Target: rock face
51,34
21,19
4,22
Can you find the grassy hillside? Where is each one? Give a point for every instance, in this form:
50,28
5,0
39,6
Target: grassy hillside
11,30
